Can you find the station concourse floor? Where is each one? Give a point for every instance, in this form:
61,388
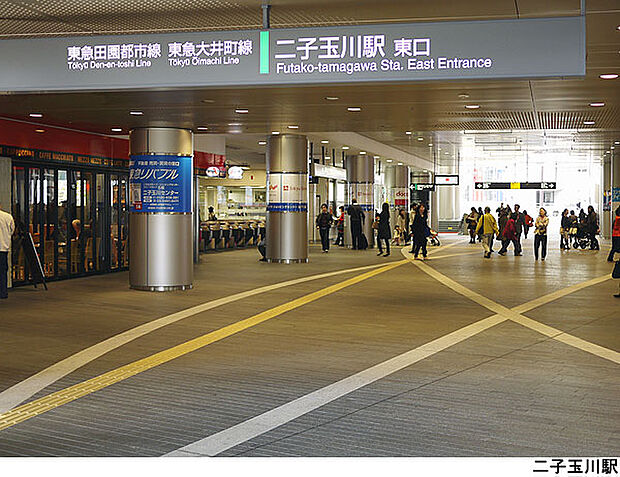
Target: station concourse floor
481,368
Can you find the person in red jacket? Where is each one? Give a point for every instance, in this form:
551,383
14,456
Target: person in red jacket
509,234
615,239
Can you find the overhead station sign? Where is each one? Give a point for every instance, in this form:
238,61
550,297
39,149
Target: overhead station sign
516,185
524,48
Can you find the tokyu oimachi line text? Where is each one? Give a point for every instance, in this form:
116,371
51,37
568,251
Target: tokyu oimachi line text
350,68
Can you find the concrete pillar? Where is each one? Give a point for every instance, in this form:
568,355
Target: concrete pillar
361,179
5,195
397,187
606,214
160,195
287,199
615,181
434,212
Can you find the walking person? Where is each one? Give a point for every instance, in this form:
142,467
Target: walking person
565,227
7,229
340,227
540,234
615,238
528,222
383,232
519,219
508,236
401,223
420,231
357,217
324,222
487,227
592,228
472,222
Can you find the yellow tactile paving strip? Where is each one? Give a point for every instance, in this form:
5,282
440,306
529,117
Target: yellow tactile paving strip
64,396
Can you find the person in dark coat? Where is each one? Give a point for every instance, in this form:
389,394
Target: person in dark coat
519,219
323,222
420,232
384,232
356,216
592,228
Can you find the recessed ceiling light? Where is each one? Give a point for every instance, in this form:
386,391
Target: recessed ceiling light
362,153
235,124
420,139
242,111
388,160
597,105
202,128
400,163
447,153
324,141
293,126
345,148
617,142
607,152
376,157
332,98
430,145
588,123
116,129
608,76
354,109
275,133
408,133
39,130
208,101
612,148
472,106
35,115
327,158
463,96
262,143
136,113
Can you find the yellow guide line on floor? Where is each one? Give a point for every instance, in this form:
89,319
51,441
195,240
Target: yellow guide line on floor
64,396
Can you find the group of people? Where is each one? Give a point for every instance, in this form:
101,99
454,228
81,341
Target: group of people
512,224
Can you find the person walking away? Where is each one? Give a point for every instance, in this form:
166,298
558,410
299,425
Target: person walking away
501,223
565,226
508,236
592,228
401,223
528,222
7,229
540,234
384,233
519,219
480,213
487,227
357,217
472,222
574,222
323,222
420,232
615,237
340,227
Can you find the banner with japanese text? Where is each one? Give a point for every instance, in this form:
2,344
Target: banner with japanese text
160,184
287,192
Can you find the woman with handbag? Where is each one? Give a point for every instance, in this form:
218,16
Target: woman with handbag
565,231
383,232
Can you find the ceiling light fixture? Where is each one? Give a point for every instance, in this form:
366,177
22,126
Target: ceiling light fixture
35,115
293,126
324,141
617,142
472,106
354,109
208,101
242,111
608,76
39,130
597,105
345,148
388,160
420,139
202,128
430,145
327,158
408,133
463,95
376,157
275,133
117,130
332,98
588,123
262,143
136,113
363,153
400,163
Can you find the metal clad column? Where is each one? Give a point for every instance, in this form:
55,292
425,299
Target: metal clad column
361,178
607,214
615,181
397,186
160,196
287,199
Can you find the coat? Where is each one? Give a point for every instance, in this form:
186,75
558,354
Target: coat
487,225
519,219
509,232
324,220
420,228
384,231
356,213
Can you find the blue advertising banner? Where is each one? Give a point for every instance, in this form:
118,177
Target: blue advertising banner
161,183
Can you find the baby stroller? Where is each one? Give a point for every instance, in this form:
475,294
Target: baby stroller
433,239
581,239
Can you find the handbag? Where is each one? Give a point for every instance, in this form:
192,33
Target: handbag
616,271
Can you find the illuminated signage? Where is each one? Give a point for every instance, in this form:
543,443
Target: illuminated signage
235,172
330,172
521,48
442,179
213,171
430,187
516,185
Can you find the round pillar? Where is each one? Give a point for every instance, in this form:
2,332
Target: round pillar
606,214
361,179
397,187
615,181
160,196
287,199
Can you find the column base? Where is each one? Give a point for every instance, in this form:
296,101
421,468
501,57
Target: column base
161,288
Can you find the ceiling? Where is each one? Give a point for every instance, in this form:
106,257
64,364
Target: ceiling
388,111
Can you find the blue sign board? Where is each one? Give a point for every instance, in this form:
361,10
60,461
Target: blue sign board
161,183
